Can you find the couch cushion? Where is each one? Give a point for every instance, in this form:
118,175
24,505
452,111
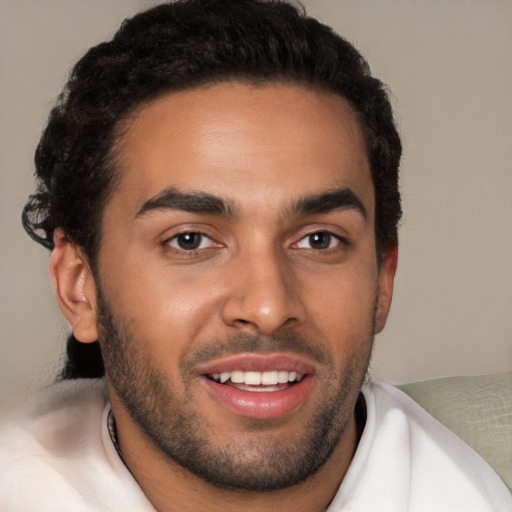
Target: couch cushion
477,409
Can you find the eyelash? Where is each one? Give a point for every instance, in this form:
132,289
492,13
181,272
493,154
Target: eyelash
195,250
341,241
181,250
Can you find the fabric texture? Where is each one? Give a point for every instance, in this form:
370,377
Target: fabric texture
477,409
60,457
407,461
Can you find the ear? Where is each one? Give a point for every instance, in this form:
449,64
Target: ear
387,273
74,287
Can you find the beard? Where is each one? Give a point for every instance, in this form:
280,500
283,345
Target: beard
254,458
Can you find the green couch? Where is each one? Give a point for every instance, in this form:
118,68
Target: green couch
477,409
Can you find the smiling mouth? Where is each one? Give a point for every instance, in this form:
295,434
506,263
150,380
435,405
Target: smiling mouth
264,386
269,381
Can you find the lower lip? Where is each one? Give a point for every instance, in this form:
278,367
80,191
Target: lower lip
262,404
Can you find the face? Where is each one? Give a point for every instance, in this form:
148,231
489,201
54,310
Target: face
238,290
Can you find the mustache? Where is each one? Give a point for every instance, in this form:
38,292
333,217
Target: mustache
251,343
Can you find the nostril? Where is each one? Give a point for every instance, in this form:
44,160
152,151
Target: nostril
244,325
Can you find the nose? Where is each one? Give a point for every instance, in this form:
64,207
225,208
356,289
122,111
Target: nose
264,295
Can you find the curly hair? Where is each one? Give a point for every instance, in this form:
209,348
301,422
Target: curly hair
184,44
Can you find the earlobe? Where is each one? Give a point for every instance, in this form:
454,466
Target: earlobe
74,287
386,280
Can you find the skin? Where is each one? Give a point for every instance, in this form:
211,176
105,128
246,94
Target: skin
256,274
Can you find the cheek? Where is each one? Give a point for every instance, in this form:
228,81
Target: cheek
162,307
341,307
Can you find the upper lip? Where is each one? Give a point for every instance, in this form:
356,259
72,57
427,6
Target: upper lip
253,362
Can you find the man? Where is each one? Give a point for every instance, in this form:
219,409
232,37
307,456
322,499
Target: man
219,189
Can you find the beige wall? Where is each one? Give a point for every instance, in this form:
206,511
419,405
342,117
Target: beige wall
449,64
39,41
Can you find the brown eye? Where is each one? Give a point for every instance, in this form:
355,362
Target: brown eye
320,240
190,241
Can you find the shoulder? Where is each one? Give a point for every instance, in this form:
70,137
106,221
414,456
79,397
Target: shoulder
60,412
55,426
56,419
56,453
406,460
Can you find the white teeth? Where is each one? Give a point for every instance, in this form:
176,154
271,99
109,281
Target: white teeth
253,378
282,377
270,378
238,377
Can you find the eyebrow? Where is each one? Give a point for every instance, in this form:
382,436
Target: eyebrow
201,202
195,202
339,199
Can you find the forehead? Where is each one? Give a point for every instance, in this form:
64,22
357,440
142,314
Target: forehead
252,145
